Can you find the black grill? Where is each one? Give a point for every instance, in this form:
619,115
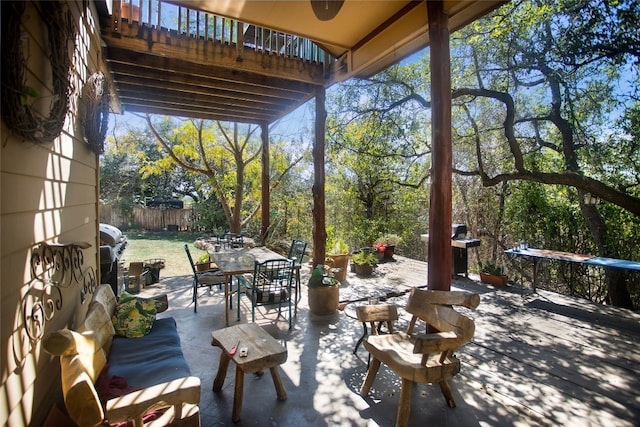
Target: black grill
112,246
459,246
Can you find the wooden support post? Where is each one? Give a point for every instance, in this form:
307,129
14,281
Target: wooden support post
239,41
266,199
319,226
116,15
439,272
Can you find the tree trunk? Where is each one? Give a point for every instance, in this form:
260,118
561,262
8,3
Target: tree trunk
615,278
616,286
236,220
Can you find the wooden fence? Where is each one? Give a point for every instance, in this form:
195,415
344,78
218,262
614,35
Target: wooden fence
152,219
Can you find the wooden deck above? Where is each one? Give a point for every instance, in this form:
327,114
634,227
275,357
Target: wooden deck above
255,61
208,67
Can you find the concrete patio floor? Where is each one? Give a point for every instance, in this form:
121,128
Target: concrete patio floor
544,359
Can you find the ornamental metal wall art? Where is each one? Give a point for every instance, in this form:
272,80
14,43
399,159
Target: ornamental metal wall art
54,266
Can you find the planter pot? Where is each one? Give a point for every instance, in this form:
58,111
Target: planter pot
324,299
131,13
204,266
340,261
389,251
380,255
493,279
364,269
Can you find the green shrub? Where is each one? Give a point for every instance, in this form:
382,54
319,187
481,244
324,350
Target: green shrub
365,258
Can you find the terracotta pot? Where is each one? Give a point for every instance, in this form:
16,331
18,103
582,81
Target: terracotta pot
340,261
203,267
131,13
324,299
389,251
493,279
364,269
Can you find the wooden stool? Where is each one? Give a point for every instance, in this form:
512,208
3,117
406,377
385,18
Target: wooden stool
263,352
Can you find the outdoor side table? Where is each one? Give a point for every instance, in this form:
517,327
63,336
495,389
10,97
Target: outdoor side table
263,352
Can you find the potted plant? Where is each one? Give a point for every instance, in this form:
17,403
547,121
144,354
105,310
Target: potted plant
380,248
390,242
324,291
492,274
338,253
364,262
203,263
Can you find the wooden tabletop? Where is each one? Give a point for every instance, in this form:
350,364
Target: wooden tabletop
263,350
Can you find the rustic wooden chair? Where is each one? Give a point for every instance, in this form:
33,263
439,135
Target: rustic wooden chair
210,277
423,357
376,315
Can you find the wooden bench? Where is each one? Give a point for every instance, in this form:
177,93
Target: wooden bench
160,373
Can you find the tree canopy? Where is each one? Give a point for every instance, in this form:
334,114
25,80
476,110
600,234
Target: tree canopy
531,105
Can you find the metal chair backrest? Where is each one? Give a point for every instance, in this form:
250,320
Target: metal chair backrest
233,240
271,284
296,251
193,266
273,275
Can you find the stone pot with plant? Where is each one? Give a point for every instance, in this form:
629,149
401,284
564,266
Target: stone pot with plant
379,248
389,242
324,291
203,263
338,254
492,274
364,261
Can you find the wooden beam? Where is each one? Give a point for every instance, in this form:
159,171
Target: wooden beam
439,272
134,89
209,85
181,97
191,111
319,226
211,72
266,199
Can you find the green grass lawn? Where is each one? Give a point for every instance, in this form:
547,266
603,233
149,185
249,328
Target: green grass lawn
166,245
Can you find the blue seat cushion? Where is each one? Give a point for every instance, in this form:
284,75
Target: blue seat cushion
149,360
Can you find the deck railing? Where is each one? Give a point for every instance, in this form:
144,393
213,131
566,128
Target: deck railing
160,15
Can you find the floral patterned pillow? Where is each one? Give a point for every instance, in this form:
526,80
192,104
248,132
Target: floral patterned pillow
133,317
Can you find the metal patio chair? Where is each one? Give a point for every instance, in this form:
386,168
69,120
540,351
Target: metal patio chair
208,278
270,285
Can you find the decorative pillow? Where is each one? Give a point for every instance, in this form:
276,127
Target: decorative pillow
133,317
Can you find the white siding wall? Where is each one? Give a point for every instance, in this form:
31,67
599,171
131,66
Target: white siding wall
48,193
